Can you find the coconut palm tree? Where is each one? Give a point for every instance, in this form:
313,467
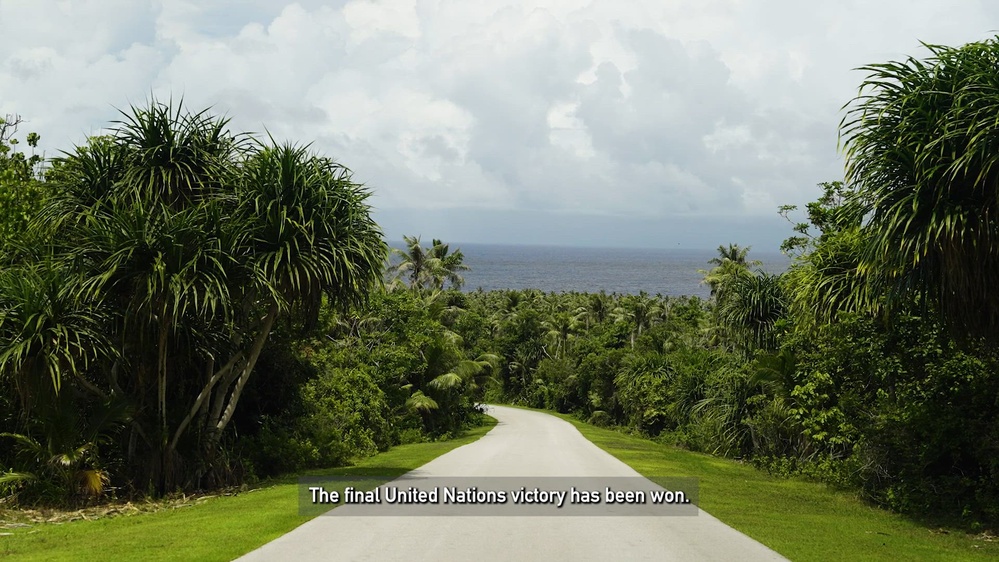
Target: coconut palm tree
429,268
730,263
560,328
735,254
448,266
415,263
598,306
470,374
639,312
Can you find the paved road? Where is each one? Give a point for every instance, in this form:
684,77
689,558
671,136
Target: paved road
523,444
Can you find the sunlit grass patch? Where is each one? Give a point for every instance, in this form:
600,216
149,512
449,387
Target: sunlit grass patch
219,528
799,519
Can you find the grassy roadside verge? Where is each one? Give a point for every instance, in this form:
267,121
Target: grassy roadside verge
221,528
801,520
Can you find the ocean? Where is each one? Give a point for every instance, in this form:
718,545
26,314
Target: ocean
670,272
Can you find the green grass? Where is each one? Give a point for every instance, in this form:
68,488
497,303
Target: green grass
218,529
799,519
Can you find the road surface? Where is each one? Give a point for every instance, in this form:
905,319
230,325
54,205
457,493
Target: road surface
523,444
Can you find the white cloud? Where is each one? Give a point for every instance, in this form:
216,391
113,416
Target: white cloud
725,137
369,18
697,109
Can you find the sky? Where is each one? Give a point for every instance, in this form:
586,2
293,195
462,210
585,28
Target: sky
609,123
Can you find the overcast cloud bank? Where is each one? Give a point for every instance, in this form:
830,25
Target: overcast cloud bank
647,124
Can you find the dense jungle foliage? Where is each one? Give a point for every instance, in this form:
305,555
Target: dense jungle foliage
183,308
155,278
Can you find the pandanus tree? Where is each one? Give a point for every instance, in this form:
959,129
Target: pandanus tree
755,305
185,244
921,142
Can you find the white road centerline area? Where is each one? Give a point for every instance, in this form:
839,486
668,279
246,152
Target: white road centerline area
523,444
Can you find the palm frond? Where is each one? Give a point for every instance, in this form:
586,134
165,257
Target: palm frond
420,402
920,140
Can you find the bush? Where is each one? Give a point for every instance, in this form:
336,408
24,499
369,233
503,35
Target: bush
341,416
345,415
600,418
554,385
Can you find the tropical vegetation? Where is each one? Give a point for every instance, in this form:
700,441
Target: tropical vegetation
159,277
173,285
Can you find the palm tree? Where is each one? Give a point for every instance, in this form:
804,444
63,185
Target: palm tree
470,374
735,254
639,312
415,263
185,244
140,216
598,306
50,332
825,281
754,305
920,142
308,234
448,266
523,363
429,268
730,263
560,327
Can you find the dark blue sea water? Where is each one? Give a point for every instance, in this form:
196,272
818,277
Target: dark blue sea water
614,270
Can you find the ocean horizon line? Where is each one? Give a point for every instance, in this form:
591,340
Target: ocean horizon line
548,268
459,245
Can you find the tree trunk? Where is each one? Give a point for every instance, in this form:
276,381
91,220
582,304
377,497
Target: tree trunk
251,361
202,396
